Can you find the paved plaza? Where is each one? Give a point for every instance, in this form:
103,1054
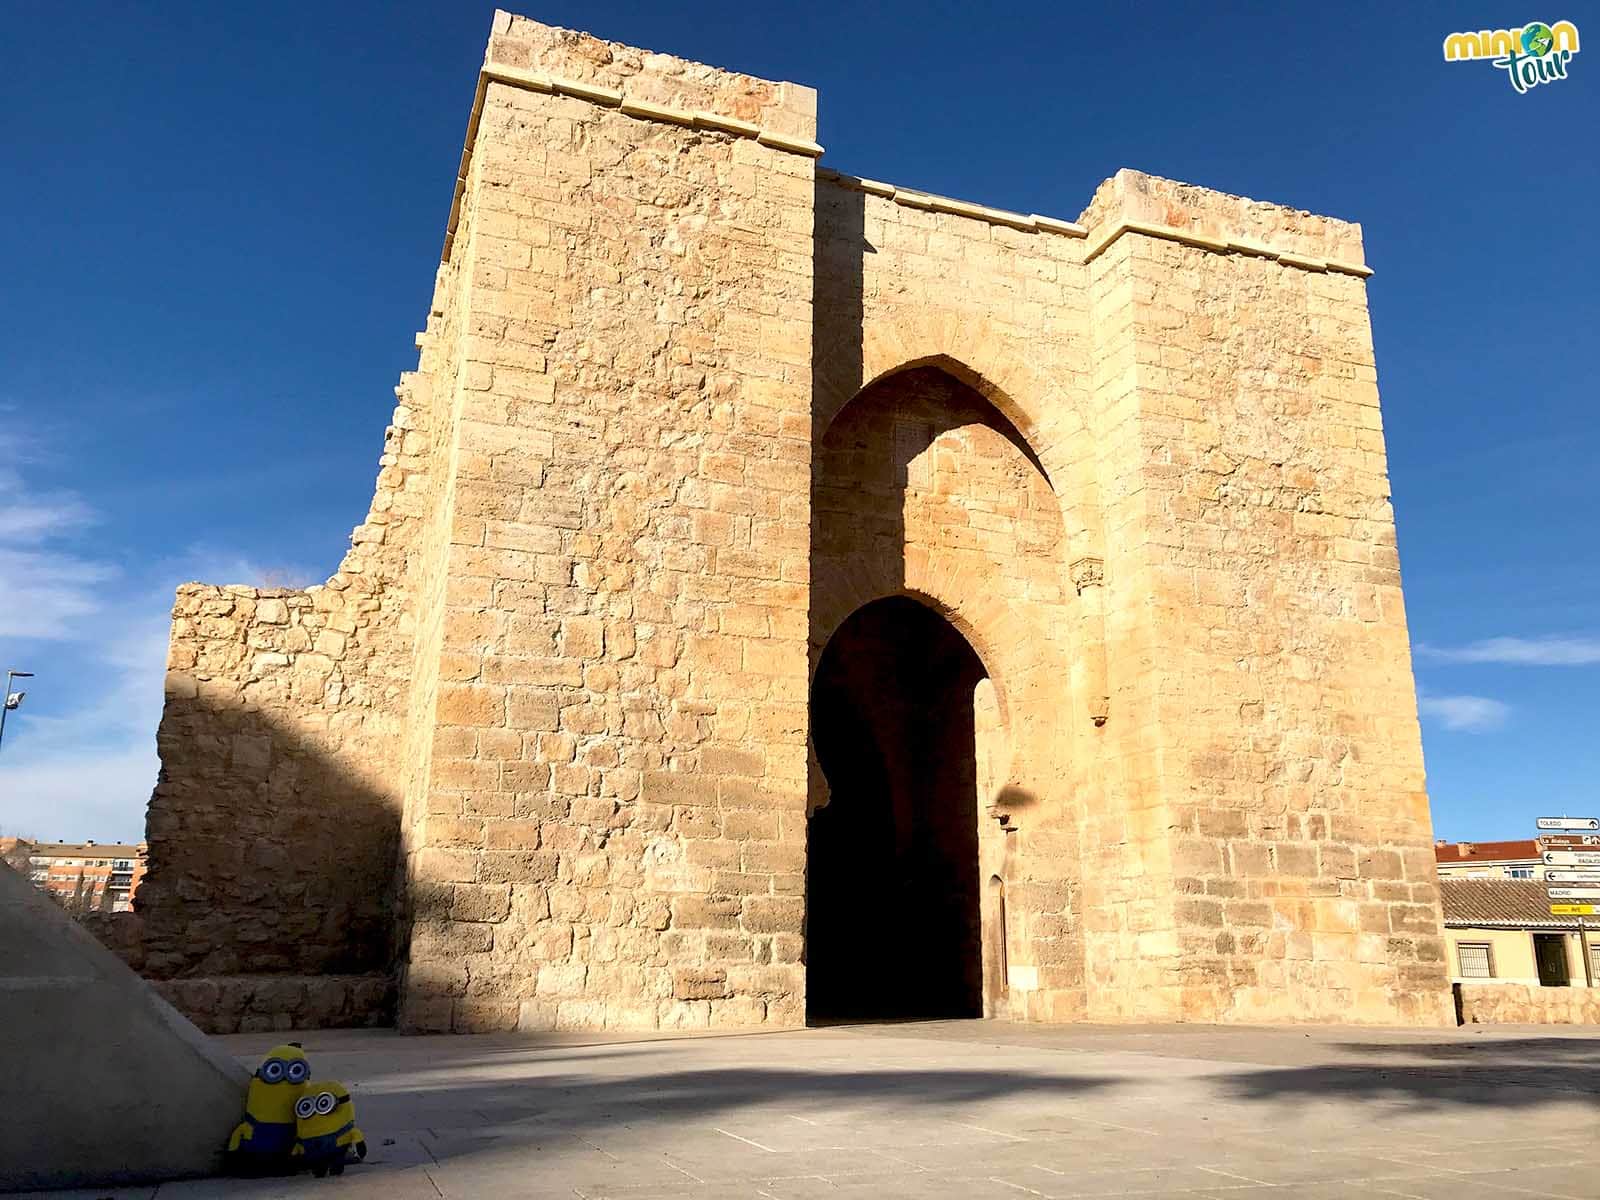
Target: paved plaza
967,1110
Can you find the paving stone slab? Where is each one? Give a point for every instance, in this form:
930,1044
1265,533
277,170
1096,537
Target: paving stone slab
971,1109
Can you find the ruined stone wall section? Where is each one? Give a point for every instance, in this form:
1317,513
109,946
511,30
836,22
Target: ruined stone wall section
262,1003
1252,523
616,795
274,824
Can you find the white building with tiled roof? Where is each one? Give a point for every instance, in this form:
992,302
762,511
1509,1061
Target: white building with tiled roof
1502,930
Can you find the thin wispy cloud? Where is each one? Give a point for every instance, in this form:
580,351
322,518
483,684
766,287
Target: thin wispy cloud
28,519
83,765
48,589
49,594
1463,714
1520,652
101,796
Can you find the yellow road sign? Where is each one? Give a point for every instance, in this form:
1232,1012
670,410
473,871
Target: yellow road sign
1572,910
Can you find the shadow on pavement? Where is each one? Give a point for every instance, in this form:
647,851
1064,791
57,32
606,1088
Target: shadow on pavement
1497,1074
536,1106
1505,1051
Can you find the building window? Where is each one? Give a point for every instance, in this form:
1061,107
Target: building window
1519,872
1475,960
1594,961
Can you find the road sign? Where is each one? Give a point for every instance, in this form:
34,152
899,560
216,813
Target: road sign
1572,876
1572,858
1568,841
1569,823
1572,910
1574,893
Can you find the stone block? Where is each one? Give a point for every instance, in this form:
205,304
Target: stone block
518,866
699,984
562,979
705,912
773,914
488,902
471,704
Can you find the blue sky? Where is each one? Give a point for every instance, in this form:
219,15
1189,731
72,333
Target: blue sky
221,223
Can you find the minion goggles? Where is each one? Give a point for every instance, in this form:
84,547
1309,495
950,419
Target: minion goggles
319,1105
279,1070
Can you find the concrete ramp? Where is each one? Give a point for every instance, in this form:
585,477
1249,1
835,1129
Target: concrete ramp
103,1081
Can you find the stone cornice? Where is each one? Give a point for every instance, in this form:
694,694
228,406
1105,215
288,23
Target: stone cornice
1028,223
643,110
1034,223
1104,239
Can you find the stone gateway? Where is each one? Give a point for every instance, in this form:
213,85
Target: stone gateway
788,595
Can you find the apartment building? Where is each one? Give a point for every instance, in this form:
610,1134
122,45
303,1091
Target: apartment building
84,876
1489,860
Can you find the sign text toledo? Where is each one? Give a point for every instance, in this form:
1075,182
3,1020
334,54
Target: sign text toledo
1573,849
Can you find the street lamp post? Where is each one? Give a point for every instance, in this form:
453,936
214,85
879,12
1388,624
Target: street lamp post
11,699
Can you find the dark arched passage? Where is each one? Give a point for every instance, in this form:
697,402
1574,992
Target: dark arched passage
892,875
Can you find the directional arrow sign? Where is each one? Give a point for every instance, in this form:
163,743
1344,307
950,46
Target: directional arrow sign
1574,893
1572,876
1572,858
1572,910
1569,823
1569,841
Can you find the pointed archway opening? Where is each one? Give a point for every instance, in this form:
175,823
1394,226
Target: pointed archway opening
893,928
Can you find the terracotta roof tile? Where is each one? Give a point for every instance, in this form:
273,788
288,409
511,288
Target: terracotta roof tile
1515,902
1452,852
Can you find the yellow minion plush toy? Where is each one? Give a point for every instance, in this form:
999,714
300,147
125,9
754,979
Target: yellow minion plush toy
265,1138
325,1129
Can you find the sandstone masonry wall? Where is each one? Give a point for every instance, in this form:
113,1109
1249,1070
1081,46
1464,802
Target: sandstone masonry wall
1516,1003
1256,631
262,1003
562,676
274,826
1083,365
615,798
